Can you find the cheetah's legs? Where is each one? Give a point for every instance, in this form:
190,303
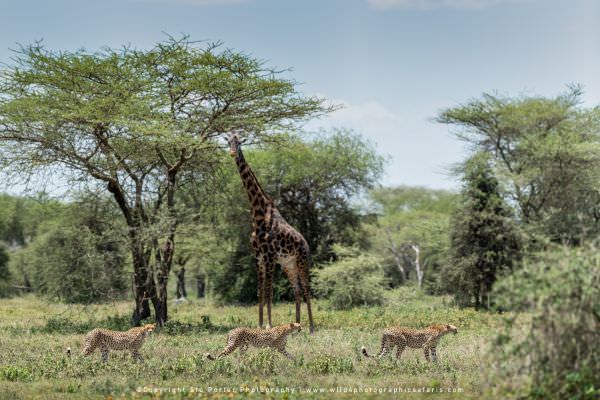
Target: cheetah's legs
137,356
228,349
285,353
426,352
104,352
399,350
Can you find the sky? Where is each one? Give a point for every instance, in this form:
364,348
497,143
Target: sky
392,64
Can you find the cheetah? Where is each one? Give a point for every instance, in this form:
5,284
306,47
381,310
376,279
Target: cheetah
427,339
275,338
106,340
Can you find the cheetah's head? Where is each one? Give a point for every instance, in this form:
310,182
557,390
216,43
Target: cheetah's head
149,328
451,328
294,326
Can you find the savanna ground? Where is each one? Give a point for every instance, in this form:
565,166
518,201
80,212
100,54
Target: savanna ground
35,333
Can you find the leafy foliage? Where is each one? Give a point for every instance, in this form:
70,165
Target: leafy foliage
79,257
5,275
352,281
314,182
410,216
562,290
546,151
20,217
484,240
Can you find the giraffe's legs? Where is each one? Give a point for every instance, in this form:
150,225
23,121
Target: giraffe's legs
295,281
265,288
290,267
303,271
298,300
261,290
270,269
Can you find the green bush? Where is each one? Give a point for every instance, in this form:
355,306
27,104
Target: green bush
5,287
352,281
64,325
76,265
562,289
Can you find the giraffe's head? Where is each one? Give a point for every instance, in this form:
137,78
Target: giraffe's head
234,143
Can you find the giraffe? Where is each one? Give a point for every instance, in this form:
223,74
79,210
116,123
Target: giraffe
273,241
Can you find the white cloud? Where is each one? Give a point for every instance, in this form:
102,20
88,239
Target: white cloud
419,152
370,118
364,115
431,4
195,2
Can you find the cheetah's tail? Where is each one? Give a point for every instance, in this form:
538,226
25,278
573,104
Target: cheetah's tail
208,356
68,352
363,349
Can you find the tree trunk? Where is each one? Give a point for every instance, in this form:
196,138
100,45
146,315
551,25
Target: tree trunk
164,260
400,265
396,253
143,285
164,255
420,271
181,293
160,301
200,286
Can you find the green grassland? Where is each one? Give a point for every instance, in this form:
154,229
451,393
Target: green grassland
35,333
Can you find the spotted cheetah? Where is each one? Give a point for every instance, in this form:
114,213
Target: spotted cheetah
275,338
106,340
427,339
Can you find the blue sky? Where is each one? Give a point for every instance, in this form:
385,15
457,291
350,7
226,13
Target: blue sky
393,64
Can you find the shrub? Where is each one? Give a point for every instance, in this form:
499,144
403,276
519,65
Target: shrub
75,265
562,289
352,281
5,287
63,325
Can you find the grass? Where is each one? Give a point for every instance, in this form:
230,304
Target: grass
34,335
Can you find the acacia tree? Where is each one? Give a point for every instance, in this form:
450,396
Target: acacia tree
133,122
546,152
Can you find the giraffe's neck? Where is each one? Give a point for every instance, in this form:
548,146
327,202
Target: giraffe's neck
260,203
